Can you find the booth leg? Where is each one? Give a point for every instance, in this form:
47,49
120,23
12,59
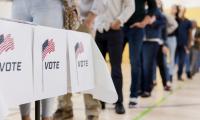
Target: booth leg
37,110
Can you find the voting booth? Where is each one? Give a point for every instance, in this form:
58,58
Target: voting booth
50,62
38,62
16,70
80,62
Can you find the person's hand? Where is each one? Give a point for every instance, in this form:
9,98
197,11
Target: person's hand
165,50
147,20
152,20
187,50
89,21
116,25
138,25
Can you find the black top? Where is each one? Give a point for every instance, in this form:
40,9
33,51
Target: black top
140,11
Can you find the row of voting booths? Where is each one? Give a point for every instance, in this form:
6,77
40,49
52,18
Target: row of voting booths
38,62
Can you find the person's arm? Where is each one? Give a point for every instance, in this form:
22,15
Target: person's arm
98,7
148,18
160,20
89,20
150,12
128,8
190,35
172,24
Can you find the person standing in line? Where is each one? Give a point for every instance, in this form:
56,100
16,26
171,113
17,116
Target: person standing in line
42,12
89,9
184,38
109,38
171,42
134,32
152,42
195,50
163,52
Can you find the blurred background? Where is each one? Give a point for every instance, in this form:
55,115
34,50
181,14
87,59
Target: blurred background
193,8
176,107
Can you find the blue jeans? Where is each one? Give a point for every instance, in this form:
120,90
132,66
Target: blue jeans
180,57
187,63
42,12
171,44
149,58
195,60
161,62
135,38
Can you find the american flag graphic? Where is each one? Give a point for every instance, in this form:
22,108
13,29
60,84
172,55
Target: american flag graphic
47,48
6,43
78,49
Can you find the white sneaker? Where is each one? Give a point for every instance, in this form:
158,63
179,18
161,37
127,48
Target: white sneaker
133,103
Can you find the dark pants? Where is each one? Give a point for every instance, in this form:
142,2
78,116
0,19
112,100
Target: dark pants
112,42
162,64
195,59
180,56
135,38
149,56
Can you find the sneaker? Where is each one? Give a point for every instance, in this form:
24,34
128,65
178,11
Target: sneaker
168,87
119,108
189,76
146,94
103,105
133,103
62,114
92,117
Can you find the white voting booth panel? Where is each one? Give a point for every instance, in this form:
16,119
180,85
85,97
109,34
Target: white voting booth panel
104,89
40,62
80,62
3,107
16,83
50,62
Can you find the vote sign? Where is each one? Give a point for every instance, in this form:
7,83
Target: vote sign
16,62
80,61
50,62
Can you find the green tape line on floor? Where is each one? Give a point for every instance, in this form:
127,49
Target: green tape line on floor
156,104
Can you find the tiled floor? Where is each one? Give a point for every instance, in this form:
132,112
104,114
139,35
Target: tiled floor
181,104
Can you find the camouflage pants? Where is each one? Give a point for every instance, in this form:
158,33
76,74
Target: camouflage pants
65,107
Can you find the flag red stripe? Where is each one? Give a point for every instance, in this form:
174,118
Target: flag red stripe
50,48
7,44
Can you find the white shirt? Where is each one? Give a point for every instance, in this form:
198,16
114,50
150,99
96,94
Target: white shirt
171,24
95,6
117,9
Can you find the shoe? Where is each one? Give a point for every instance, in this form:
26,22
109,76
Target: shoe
189,76
168,87
62,114
146,94
140,93
154,83
119,108
47,118
103,105
92,117
133,103
26,118
180,78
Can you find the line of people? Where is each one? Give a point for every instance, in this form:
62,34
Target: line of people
154,38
